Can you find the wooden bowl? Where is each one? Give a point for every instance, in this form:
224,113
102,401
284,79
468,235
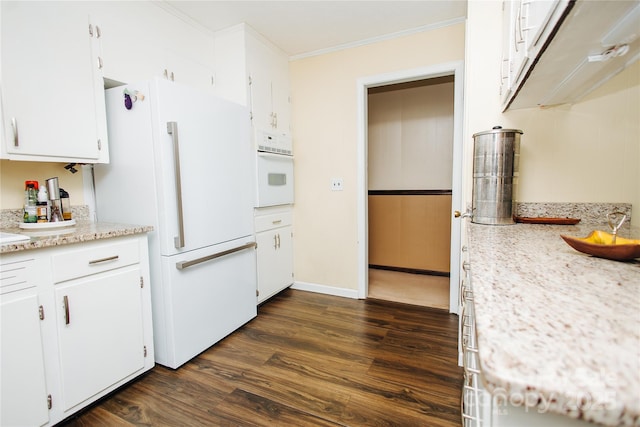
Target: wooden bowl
598,244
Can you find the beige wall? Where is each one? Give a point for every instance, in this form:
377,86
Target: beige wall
324,129
13,174
586,152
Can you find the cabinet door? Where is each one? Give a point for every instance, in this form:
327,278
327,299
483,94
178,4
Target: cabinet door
281,92
128,49
269,89
23,396
517,39
505,66
187,71
514,55
135,49
275,261
260,84
538,13
100,332
52,85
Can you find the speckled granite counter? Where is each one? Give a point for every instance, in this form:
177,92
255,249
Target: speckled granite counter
83,231
557,328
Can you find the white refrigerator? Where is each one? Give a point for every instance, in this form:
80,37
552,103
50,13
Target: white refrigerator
181,160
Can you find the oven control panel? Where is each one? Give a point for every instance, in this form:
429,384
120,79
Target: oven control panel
270,142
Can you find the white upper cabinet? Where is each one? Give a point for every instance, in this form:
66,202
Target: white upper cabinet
514,40
537,15
139,41
57,58
52,87
558,51
268,68
252,71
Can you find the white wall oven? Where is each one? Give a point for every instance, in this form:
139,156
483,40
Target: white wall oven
274,169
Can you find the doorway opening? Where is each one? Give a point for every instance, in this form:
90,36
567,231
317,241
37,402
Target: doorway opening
410,149
410,168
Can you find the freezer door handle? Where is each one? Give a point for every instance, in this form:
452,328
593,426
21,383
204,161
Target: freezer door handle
172,129
184,264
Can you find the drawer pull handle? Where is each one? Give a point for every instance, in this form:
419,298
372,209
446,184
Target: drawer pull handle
278,221
65,302
98,261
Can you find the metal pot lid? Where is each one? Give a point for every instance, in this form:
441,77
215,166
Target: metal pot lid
497,129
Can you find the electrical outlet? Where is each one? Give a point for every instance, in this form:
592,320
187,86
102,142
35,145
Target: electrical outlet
336,184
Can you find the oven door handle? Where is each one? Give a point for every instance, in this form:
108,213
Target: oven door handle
181,265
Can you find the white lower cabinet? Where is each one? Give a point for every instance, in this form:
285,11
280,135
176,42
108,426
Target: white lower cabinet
100,332
275,250
82,328
24,389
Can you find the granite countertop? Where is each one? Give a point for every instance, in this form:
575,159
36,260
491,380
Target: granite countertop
83,231
557,329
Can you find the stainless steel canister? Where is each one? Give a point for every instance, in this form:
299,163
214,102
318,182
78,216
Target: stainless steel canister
496,158
53,189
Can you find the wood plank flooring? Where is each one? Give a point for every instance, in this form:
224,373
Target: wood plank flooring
307,360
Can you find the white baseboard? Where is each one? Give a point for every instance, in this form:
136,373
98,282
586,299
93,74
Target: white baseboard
324,289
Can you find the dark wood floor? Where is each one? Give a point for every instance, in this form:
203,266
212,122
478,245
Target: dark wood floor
307,360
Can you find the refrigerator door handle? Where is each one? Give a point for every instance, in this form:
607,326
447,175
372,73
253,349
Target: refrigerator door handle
184,264
172,129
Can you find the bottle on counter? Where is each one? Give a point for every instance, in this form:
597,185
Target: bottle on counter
30,201
42,208
65,205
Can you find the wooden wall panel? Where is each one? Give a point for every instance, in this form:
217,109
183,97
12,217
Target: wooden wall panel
410,231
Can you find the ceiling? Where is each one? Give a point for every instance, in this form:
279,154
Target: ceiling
305,26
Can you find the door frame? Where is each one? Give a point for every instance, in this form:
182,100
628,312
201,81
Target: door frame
455,69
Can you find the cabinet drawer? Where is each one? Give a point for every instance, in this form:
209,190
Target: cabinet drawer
15,276
271,221
83,262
